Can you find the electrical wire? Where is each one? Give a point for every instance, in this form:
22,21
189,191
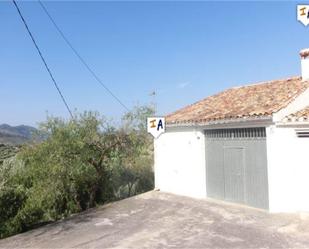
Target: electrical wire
91,71
44,61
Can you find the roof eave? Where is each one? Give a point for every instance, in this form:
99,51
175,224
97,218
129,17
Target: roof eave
243,120
294,121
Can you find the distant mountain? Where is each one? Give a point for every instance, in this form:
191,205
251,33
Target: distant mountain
16,134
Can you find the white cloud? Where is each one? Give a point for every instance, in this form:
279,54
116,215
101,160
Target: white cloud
183,85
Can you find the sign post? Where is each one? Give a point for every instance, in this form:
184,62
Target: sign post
303,14
156,126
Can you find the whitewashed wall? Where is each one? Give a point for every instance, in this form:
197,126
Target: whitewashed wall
288,170
180,163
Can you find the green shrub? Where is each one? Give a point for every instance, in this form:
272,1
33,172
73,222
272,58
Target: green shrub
83,162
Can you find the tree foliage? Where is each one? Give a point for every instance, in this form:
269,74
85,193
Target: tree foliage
7,151
83,162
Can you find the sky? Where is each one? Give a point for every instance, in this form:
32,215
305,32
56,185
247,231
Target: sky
184,51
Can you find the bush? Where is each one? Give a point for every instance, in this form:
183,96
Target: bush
82,163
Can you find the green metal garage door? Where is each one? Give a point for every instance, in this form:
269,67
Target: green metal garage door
236,165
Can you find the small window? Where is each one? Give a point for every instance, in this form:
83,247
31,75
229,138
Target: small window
302,133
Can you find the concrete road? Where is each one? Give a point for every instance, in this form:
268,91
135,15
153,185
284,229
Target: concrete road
160,220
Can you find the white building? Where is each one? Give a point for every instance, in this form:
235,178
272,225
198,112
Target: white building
247,145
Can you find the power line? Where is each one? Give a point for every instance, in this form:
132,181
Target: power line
81,58
46,66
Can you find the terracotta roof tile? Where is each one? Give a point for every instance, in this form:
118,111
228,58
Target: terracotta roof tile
256,100
302,115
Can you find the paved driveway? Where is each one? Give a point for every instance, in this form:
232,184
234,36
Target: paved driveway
160,220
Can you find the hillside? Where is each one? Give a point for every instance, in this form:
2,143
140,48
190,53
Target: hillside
7,151
15,135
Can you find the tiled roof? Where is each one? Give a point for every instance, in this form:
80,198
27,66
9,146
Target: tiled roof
256,100
302,115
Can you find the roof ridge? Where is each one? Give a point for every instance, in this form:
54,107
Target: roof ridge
258,99
267,82
236,87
